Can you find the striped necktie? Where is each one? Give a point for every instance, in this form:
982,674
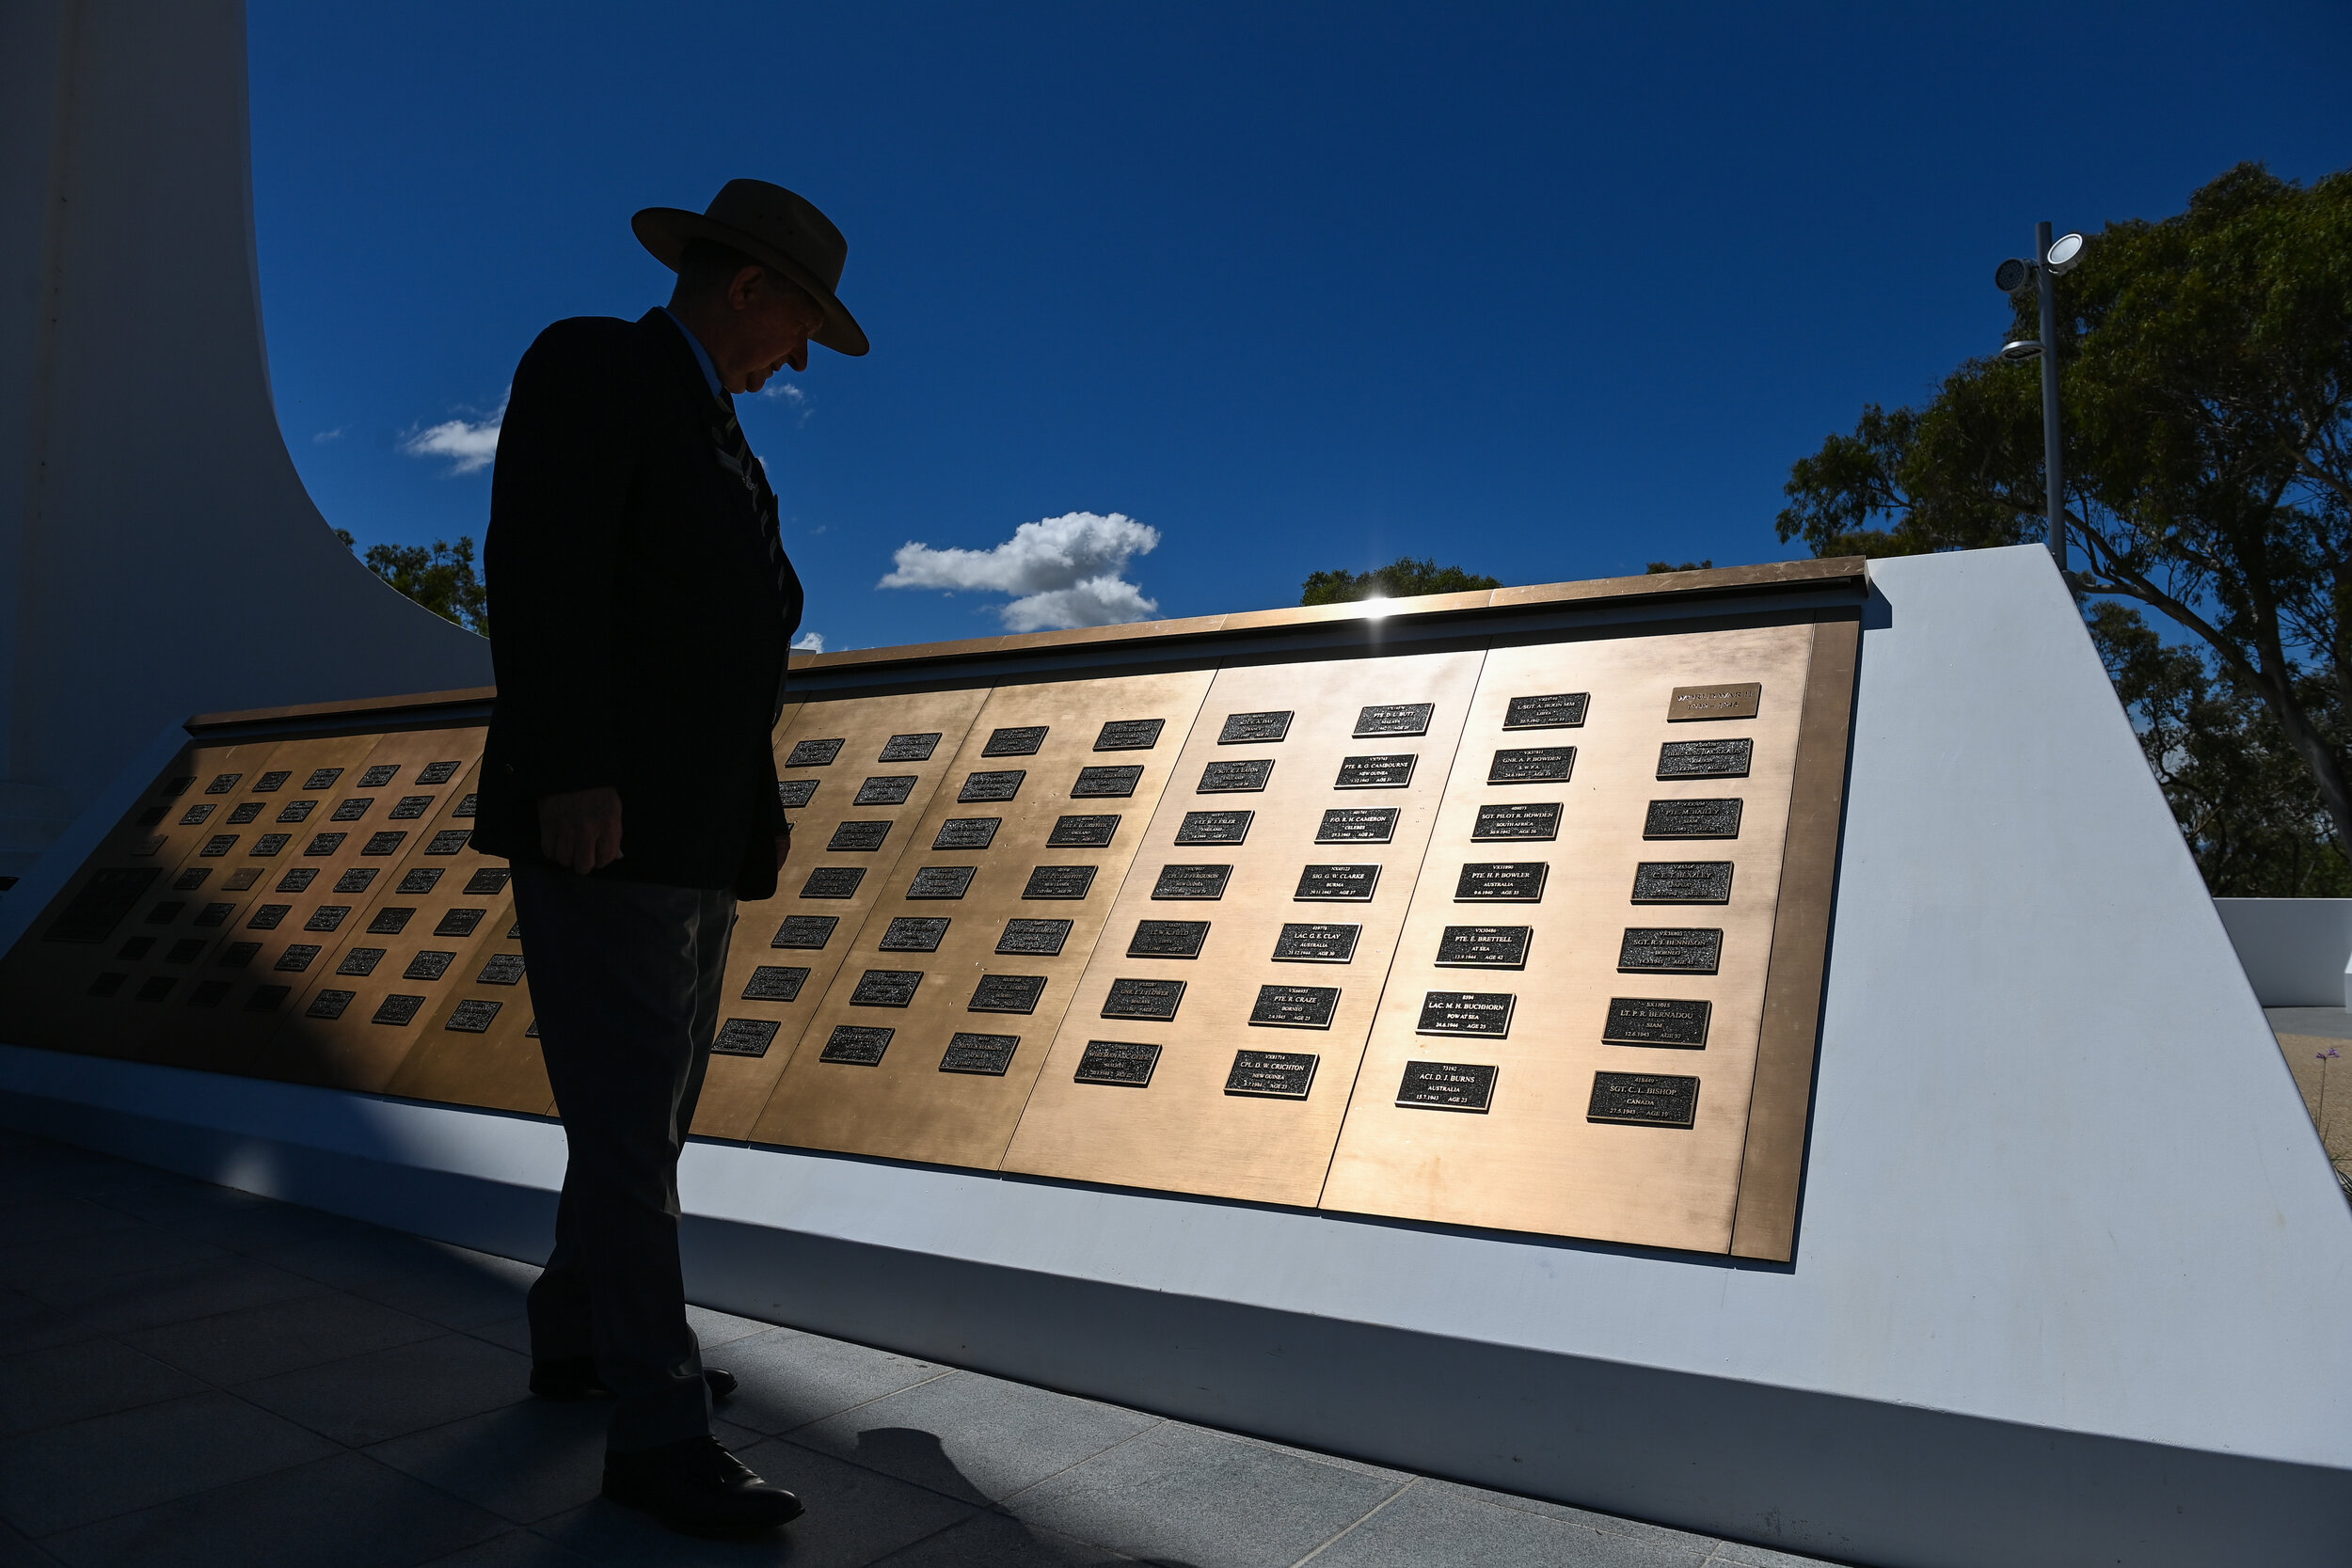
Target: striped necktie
735,456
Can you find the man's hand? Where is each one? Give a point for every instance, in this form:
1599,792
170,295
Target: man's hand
581,831
784,849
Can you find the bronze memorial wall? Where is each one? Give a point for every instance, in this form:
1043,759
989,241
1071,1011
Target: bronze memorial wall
1480,913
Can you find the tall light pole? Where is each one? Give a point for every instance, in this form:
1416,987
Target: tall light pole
2052,257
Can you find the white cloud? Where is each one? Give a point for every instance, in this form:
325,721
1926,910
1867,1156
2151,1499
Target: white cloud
468,443
1065,571
325,435
809,642
779,388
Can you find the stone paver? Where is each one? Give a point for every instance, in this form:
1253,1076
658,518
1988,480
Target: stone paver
194,1376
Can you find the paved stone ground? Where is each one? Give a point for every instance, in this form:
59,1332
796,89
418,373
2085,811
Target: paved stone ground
190,1375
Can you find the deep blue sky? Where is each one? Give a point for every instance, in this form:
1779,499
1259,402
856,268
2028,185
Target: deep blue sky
1548,292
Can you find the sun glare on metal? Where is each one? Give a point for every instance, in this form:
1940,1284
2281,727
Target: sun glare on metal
2021,348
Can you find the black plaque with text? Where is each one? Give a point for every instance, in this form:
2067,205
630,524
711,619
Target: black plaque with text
271,843
792,793
190,880
913,934
296,878
1484,948
982,1055
1235,778
467,806
472,1016
967,833
220,844
1058,881
1394,719
411,807
1272,1074
886,789
398,1011
1192,881
856,1045
1022,741
272,781
833,881
1705,759
384,843
1148,999
1316,942
329,1003
1682,882
501,969
910,748
360,878
322,778
1129,735
244,813
390,920
805,930
1447,1086
215,914
456,923
1657,1020
1280,1006
488,882
297,811
324,844
1530,820
1643,1100
1532,764
1007,993
266,916
1215,827
1502,881
1167,939
351,809
422,879
1241,729
744,1037
1357,825
438,772
857,837
813,753
1043,938
1483,1013
431,964
1375,772
198,814
1706,819
1106,784
1346,884
222,784
886,988
1557,710
1082,833
1125,1064
326,917
1670,950
774,983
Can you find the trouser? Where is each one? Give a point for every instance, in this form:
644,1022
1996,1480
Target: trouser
627,979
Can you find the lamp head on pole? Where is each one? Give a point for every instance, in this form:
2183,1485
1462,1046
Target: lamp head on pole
2013,276
2064,253
2020,349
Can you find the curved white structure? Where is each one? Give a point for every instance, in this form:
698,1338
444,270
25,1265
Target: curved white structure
158,554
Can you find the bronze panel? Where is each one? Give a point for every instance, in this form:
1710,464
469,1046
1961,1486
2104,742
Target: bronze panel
1533,1158
1182,1131
904,1105
739,1085
1723,700
463,1056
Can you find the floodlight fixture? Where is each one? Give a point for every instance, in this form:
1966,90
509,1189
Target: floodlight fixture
2012,274
2020,349
2063,254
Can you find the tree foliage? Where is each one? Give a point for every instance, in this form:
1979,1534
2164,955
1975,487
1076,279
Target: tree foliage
441,578
2206,366
1400,579
1657,566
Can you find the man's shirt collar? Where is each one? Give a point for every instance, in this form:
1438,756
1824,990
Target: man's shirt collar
702,355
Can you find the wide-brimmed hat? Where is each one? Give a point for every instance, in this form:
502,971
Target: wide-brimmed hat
774,227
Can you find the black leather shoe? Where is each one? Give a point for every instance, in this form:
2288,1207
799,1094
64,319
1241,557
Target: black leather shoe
577,1379
697,1488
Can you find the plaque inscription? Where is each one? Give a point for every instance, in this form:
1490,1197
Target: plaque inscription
1505,881
1704,818
1167,939
1000,785
1532,764
1657,1020
380,776
1192,881
887,789
1152,999
1347,884
1557,710
1530,820
1485,1013
438,772
792,793
1358,825
1392,771
1006,994
910,748
398,1011
501,969
1484,948
1394,719
422,879
833,881
1682,882
1215,827
472,1016
1670,950
856,1045
1235,778
982,1055
359,877
913,934
805,930
1280,1006
431,964
886,988
1082,833
776,983
1106,784
1272,1074
389,921
1737,700
854,837
1123,1062
1058,881
814,753
744,1037
1447,1086
1316,943
1129,735
1705,759
1023,742
1041,936
1244,728
967,833
1643,1099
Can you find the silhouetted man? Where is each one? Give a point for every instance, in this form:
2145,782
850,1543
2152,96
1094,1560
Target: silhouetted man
641,609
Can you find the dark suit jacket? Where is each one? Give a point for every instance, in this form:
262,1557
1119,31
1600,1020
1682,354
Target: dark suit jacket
638,630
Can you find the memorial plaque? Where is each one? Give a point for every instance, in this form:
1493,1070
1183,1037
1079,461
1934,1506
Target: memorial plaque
813,753
184,951
744,1037
1394,719
1645,1100
459,922
1059,882
856,1045
215,914
272,782
488,882
1148,999
1215,827
1082,833
472,1016
329,1003
1007,993
793,793
774,983
222,784
967,833
326,917
1447,1086
805,930
270,844
385,842
197,814
397,1009
467,806
1123,1063
237,881
244,813
1558,711
1349,884
1042,937
501,969
1705,759
190,880
438,772
1707,818
1316,943
237,955
1241,729
1192,881
1532,764
208,994
153,816
411,807
1235,778
1534,820
1682,882
1001,785
296,811
431,964
1358,825
323,778
1106,784
1022,741
1485,1013
833,881
1271,1074
914,934
1375,772
421,880
100,904
1129,735
449,841
941,882
1167,939
1504,881
1737,700
910,748
983,1055
390,921
1280,1006
357,879
380,776
267,999
885,789
886,988
853,837
351,809
153,844
220,844
1670,950
1484,948
1657,1020
266,916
